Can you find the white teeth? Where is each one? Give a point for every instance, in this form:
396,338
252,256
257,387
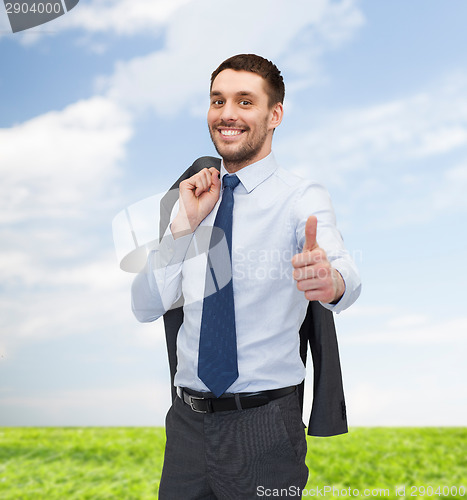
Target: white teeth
231,132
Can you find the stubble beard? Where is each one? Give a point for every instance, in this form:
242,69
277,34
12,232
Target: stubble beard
245,153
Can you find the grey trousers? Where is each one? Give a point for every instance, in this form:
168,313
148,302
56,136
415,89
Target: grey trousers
234,455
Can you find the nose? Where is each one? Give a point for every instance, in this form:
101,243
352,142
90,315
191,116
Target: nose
229,112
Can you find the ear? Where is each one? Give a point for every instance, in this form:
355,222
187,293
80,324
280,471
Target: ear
277,112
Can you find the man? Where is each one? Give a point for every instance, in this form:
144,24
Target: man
236,431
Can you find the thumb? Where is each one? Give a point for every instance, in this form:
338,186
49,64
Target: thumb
310,234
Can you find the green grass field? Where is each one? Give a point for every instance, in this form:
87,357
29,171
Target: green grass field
125,463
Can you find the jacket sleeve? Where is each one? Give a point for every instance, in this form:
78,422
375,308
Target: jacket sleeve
328,413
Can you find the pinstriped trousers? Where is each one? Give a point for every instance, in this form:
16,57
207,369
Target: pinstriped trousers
234,455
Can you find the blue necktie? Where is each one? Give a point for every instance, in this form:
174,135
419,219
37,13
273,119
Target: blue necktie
217,359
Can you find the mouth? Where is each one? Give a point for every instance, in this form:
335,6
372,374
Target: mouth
229,133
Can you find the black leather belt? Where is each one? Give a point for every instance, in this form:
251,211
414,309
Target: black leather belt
239,401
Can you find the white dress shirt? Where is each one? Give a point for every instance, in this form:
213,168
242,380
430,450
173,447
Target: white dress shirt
271,206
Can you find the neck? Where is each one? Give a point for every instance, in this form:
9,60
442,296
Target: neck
234,166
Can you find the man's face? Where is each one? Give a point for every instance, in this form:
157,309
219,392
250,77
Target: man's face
240,120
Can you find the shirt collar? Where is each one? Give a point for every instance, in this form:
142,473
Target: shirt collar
256,173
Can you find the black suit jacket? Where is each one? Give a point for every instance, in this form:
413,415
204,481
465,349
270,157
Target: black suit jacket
328,413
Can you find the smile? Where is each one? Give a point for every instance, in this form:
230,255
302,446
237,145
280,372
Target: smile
231,132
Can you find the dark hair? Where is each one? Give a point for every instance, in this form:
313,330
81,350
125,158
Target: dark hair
256,64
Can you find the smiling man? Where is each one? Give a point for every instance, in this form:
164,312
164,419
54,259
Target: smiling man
235,430
240,121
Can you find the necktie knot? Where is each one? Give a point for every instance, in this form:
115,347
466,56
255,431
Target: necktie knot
230,181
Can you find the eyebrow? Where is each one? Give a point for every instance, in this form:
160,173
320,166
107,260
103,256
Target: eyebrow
216,93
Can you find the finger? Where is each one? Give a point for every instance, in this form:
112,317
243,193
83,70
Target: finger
215,179
325,295
215,173
316,295
317,272
305,273
309,285
309,258
202,182
310,234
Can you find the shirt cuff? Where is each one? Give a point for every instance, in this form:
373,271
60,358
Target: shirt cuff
353,287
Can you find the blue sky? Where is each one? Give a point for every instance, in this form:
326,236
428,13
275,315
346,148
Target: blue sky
106,106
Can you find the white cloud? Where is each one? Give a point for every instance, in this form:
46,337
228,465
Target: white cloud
451,192
377,403
57,166
408,321
109,17
397,367
393,133
202,34
396,364
122,17
263,25
394,164
57,162
140,404
411,330
72,298
360,311
57,176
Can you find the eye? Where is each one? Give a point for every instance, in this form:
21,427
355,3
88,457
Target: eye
217,102
245,103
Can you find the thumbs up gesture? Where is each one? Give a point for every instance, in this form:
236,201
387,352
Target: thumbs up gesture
313,272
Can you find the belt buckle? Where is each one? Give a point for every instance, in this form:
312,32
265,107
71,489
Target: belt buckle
194,398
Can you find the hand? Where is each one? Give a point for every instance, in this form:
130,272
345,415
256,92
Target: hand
197,197
313,272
